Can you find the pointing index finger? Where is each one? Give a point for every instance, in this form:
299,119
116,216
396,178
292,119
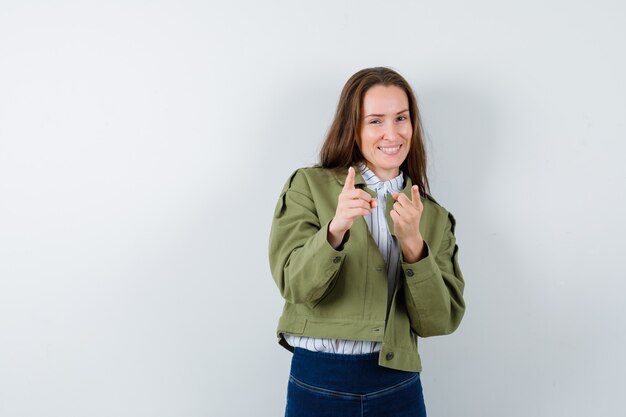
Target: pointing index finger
349,184
416,194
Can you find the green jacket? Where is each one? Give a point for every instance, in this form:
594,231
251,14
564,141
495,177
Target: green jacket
342,294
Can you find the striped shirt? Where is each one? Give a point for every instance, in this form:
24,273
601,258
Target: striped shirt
377,225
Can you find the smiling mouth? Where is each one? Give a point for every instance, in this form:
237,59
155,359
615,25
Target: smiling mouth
390,150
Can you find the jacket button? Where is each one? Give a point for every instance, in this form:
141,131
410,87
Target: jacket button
409,272
389,356
337,259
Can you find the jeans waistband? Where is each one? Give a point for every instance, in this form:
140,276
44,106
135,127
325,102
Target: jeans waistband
358,374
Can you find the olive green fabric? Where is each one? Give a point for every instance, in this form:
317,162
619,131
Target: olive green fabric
342,294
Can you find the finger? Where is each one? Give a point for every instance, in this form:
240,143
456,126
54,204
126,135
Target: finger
349,184
406,212
363,195
373,203
398,208
415,193
395,217
403,200
358,203
357,194
353,213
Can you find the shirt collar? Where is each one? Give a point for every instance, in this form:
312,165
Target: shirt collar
393,185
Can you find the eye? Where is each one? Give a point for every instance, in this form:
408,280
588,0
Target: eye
402,118
374,121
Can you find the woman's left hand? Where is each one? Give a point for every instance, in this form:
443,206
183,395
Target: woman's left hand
406,215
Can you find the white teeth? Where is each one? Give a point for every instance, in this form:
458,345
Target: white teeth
390,150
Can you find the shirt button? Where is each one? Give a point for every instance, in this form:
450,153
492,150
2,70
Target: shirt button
389,356
409,272
337,259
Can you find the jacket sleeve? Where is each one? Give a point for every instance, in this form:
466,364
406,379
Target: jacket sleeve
303,264
434,288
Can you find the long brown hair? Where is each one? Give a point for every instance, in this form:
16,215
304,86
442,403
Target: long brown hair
340,148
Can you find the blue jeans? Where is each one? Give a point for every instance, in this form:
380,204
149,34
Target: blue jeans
338,385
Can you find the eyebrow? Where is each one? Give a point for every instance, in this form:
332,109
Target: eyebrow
381,115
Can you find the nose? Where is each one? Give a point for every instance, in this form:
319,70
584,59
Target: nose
391,131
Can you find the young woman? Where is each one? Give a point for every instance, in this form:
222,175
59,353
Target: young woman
365,259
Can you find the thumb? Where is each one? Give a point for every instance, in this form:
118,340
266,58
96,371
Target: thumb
349,184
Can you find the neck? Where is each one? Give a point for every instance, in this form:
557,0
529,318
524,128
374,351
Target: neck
384,174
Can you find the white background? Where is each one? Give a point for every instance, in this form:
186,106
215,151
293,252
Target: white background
143,145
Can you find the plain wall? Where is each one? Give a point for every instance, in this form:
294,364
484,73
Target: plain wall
143,145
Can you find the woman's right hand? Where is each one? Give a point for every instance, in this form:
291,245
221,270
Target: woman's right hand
351,203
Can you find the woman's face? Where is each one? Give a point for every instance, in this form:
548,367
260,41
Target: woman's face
385,130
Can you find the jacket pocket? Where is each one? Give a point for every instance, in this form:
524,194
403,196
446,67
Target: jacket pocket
328,291
292,325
